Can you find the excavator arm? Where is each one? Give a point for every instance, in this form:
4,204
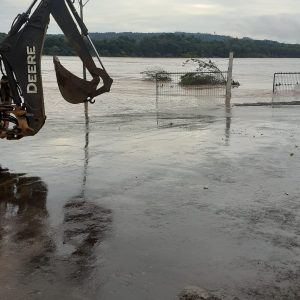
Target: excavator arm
22,110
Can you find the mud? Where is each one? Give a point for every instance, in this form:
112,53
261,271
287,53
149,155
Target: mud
210,201
31,259
138,207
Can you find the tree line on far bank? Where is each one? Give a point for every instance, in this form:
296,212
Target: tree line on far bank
176,45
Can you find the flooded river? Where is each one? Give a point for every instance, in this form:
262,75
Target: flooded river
130,207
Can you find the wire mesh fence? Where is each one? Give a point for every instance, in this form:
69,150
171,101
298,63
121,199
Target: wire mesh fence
286,82
184,95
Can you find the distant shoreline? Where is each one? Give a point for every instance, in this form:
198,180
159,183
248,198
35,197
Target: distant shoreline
149,57
174,45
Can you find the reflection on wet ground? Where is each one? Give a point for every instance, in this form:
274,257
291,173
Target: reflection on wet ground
200,196
22,208
191,122
35,262
228,118
85,226
211,200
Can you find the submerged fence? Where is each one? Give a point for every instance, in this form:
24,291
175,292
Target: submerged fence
187,93
286,82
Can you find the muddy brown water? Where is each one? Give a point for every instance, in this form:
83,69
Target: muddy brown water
152,206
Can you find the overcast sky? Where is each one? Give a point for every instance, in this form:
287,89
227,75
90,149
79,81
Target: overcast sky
261,19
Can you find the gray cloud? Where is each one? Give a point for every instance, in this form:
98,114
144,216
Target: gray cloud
257,19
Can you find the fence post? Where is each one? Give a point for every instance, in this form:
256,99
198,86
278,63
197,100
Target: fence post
274,77
229,78
156,100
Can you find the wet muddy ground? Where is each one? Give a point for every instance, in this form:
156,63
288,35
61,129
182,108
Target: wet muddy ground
150,208
140,207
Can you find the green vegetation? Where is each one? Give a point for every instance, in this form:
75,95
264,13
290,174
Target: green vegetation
174,45
182,45
212,76
206,73
200,79
2,36
158,74
57,45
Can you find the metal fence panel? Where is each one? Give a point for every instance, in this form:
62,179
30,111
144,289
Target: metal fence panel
286,82
177,100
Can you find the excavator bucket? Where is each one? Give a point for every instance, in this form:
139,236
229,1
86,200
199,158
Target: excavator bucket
74,89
